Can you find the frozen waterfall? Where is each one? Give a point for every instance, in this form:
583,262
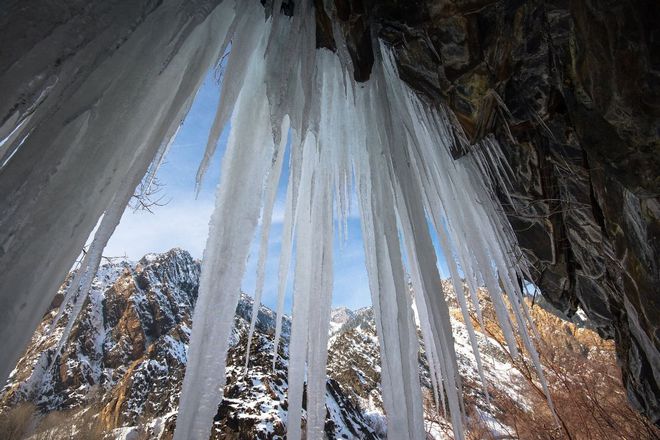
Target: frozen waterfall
77,151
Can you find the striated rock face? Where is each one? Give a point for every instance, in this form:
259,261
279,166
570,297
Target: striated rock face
571,89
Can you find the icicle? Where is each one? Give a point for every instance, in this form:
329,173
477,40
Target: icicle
245,166
271,192
287,239
433,203
427,285
83,280
320,315
459,292
249,20
313,274
321,244
390,298
285,262
71,293
421,255
435,368
303,284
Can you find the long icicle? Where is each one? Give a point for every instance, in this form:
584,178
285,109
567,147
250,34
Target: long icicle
287,240
306,275
390,297
244,168
421,255
266,220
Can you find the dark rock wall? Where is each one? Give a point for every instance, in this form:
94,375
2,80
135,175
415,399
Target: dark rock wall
571,90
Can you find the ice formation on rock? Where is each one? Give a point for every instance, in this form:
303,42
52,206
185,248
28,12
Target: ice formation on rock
84,112
375,138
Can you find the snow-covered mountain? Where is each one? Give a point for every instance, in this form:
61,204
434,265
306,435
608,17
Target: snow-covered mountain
126,355
339,317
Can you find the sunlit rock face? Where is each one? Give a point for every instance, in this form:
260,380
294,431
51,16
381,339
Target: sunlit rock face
571,90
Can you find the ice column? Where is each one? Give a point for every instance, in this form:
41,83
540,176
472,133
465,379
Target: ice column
245,167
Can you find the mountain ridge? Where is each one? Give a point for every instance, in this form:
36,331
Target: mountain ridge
129,345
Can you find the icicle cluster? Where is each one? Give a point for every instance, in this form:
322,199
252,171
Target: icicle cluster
379,140
376,139
83,116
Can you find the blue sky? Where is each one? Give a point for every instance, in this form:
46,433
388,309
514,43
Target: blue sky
183,221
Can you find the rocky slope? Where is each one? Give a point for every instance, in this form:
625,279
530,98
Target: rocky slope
126,356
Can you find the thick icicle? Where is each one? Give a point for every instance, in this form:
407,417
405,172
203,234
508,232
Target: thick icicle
320,244
245,166
421,255
313,274
390,297
266,219
317,343
91,113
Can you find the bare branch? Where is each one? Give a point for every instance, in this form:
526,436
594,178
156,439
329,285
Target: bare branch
148,196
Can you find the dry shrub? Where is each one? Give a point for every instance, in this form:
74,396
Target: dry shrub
585,386
437,423
70,424
74,424
88,426
53,424
477,430
433,420
16,422
80,425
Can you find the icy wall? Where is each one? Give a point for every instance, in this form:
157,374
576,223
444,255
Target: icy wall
90,94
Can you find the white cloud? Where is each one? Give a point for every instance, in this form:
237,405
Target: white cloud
183,225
